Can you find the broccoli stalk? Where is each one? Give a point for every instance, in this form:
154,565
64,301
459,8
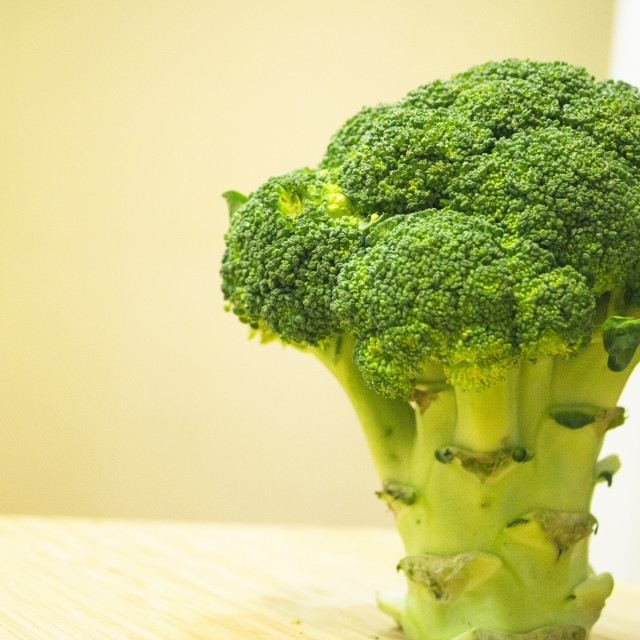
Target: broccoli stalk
491,493
465,263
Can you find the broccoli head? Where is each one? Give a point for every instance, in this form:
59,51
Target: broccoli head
476,222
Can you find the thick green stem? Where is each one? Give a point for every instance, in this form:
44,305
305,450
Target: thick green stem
491,492
388,425
483,430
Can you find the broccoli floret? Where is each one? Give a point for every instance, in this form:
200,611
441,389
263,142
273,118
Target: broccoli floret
465,262
564,81
408,157
510,95
285,247
456,290
349,135
564,192
611,117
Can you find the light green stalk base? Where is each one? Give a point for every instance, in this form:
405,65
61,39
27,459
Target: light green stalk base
491,493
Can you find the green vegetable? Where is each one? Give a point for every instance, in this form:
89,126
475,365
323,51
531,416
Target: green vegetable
465,262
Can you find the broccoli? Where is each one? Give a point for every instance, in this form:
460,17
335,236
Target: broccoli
465,262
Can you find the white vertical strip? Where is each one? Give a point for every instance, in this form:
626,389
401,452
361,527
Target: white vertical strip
625,48
616,548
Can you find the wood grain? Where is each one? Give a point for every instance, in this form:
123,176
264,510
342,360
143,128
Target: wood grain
74,579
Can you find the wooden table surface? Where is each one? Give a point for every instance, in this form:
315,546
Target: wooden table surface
74,579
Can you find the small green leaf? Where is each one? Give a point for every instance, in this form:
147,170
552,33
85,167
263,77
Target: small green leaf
573,418
582,416
395,491
234,200
620,338
606,468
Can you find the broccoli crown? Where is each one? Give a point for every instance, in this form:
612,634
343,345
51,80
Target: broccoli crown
477,221
455,289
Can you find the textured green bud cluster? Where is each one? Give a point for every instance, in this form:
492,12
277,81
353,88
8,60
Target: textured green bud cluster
478,221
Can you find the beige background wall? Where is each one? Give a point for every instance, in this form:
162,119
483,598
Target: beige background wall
124,388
